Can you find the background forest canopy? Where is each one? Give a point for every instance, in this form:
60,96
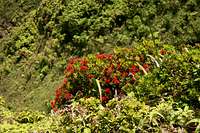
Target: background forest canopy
156,42
82,23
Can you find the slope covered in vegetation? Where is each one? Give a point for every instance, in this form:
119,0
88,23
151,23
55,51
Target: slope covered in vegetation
37,49
129,66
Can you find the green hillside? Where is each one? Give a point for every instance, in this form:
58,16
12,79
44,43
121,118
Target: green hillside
99,66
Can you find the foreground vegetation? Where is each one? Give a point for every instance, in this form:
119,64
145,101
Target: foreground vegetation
88,115
127,97
129,66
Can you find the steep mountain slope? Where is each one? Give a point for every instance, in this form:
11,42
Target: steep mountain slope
35,52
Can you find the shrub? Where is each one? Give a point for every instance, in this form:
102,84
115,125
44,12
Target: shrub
88,115
125,115
101,75
169,72
177,77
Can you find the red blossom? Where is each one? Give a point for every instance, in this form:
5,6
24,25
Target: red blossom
134,70
99,56
53,103
68,96
104,99
109,71
146,67
124,74
90,76
133,79
65,81
115,80
70,68
163,52
73,60
112,66
55,109
83,68
104,56
107,81
118,66
83,62
107,91
58,94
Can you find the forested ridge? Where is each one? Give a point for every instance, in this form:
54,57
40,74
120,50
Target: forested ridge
99,66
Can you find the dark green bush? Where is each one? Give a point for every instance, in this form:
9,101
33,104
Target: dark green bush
177,77
126,115
87,24
12,13
88,115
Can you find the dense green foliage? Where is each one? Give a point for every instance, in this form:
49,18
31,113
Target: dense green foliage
61,24
12,13
129,66
177,77
88,115
57,29
40,43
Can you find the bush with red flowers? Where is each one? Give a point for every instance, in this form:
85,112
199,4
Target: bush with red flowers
106,76
101,75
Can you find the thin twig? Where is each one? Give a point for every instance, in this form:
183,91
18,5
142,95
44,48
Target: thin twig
154,60
99,87
141,67
115,93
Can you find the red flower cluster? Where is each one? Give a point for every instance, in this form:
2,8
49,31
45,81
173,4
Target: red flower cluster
84,62
107,81
55,109
90,76
104,56
56,99
112,73
73,60
118,66
65,81
134,70
108,71
163,52
115,80
53,103
83,68
58,94
146,67
124,74
107,91
68,96
69,69
105,99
